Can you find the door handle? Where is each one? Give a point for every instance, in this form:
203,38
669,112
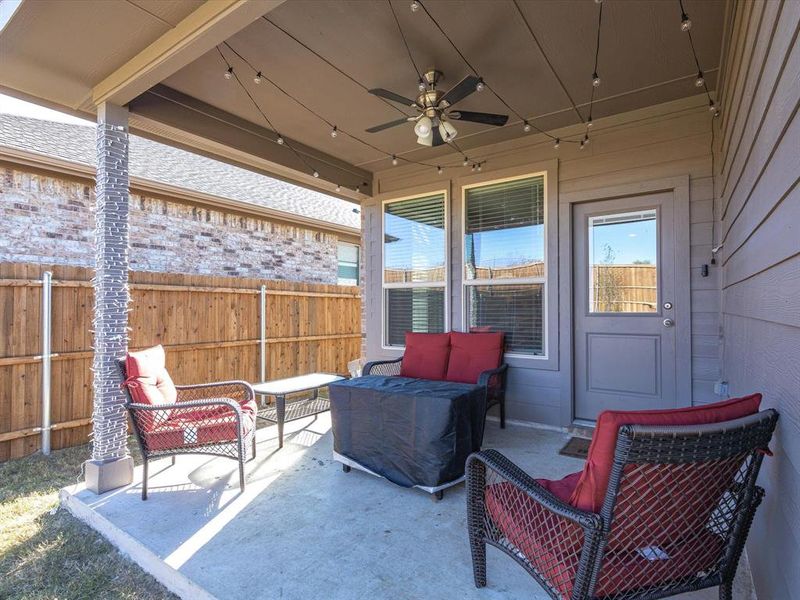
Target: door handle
668,322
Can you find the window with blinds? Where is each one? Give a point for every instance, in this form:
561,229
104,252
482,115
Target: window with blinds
414,267
504,261
348,264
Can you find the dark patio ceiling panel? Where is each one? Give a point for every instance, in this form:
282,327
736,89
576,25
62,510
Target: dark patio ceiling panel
644,60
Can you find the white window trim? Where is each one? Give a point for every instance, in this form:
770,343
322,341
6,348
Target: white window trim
521,281
358,261
416,284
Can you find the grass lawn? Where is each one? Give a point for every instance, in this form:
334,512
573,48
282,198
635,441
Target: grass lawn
45,552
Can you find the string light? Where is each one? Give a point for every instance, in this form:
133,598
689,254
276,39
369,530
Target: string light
257,78
711,106
480,86
414,6
589,123
466,161
358,190
700,81
394,160
280,140
586,139
439,170
473,168
527,127
229,73
338,188
582,145
480,166
595,79
316,173
334,131
421,85
686,22
557,143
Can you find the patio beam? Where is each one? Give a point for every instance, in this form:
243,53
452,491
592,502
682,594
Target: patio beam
111,465
172,117
210,24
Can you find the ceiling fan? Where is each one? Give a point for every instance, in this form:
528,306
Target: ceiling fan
433,123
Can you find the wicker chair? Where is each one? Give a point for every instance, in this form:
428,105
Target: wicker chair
493,381
212,418
677,511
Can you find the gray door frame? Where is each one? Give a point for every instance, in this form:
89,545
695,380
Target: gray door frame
679,187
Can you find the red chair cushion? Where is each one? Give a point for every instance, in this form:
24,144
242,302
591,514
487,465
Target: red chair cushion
591,488
149,383
199,427
473,353
425,356
553,545
147,369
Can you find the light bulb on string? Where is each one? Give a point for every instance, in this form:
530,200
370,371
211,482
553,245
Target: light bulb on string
280,140
338,188
581,146
700,81
686,22
229,73
557,143
595,79
394,160
480,166
480,86
439,170
466,161
526,127
257,78
316,173
711,106
421,85
414,6
334,131
473,168
590,123
586,139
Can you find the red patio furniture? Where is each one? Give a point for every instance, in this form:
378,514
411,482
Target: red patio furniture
663,505
168,419
475,357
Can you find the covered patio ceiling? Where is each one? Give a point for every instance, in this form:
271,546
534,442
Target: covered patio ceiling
166,60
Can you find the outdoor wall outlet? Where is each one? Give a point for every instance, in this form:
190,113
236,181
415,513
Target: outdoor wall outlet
721,388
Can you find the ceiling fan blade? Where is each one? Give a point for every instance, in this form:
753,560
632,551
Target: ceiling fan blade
437,137
461,90
479,117
392,96
388,125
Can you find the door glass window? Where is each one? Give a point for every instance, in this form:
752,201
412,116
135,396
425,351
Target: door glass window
623,262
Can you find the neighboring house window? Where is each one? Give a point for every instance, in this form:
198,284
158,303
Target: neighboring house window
414,267
504,261
348,264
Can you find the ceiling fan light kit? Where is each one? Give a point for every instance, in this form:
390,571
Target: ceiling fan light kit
433,125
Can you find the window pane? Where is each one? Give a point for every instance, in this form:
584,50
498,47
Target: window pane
420,310
414,240
516,310
348,264
504,228
348,253
623,251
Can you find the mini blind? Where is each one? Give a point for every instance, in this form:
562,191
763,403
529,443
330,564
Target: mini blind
516,310
418,309
518,203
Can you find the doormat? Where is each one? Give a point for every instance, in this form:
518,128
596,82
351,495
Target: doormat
576,447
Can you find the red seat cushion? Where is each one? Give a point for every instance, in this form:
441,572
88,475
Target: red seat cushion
149,382
426,355
553,545
199,427
473,353
591,488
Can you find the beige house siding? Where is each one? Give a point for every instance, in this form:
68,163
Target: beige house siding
664,141
758,212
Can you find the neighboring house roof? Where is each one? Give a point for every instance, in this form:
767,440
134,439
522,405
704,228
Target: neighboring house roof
177,168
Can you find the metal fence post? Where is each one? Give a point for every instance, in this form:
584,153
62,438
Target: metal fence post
263,340
47,302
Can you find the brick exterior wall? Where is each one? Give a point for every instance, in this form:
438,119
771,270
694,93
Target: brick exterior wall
46,219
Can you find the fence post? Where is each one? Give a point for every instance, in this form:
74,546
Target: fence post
47,301
263,340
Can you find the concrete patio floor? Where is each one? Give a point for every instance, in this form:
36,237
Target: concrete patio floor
303,529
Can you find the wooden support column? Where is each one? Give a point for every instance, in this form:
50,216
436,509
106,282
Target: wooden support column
111,465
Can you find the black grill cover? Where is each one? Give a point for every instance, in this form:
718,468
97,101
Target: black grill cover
411,431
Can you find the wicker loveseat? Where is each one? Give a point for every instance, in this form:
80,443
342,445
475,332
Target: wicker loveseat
212,418
663,505
458,357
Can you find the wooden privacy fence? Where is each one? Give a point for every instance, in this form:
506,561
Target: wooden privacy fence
210,327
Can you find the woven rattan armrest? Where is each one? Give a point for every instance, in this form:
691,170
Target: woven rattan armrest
494,460
181,406
486,376
191,393
367,370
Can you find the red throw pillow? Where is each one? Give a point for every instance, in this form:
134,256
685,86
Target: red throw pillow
426,355
473,353
148,380
591,489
